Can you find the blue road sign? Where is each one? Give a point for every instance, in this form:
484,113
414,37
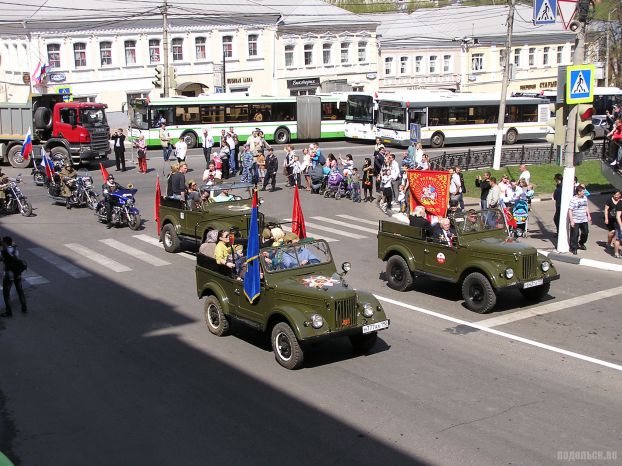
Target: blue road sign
415,132
544,12
580,84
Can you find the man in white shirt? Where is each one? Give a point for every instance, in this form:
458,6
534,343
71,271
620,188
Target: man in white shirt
524,173
208,143
455,186
180,150
395,175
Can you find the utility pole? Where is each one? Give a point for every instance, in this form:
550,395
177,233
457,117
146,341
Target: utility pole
607,49
569,145
224,70
165,76
496,161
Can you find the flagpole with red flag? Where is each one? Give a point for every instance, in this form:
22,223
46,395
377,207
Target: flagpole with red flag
298,219
158,194
104,171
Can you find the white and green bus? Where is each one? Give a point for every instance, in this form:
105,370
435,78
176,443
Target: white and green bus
282,119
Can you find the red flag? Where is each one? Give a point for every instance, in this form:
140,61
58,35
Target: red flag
298,219
158,194
509,218
104,172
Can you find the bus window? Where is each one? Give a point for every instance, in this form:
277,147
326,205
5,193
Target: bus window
360,109
331,112
392,117
483,114
284,111
521,113
212,114
438,116
261,112
161,114
236,113
187,115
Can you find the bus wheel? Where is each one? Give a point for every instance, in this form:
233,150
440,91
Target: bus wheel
511,137
282,136
437,140
191,140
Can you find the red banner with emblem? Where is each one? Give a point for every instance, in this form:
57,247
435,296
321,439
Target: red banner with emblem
429,189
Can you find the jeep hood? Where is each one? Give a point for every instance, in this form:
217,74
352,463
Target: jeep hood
499,247
316,286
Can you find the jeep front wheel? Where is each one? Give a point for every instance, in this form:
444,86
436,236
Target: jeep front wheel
537,292
169,238
287,350
478,294
215,319
398,274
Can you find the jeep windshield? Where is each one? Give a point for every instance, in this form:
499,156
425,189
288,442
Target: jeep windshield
93,116
295,256
227,192
477,221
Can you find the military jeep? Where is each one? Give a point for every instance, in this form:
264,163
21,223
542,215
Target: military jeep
482,258
181,220
303,300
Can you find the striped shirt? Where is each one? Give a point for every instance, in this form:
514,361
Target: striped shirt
578,209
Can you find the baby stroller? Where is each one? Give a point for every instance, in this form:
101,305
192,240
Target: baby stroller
520,212
318,180
334,185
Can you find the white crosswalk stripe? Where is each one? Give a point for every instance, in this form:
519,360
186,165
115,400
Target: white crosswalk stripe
136,253
360,220
345,224
34,278
156,242
317,226
59,262
98,258
312,235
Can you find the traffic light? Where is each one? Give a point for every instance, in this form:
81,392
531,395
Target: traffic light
157,82
584,135
172,77
557,122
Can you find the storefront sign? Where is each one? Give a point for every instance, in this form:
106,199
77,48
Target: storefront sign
542,85
57,77
246,79
300,83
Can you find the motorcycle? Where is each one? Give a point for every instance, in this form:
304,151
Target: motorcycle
123,210
82,192
14,200
40,177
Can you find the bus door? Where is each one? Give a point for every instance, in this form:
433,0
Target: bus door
418,116
309,113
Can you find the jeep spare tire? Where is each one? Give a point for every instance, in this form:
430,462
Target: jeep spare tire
478,294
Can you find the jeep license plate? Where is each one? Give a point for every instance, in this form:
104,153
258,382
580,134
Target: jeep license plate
533,283
376,326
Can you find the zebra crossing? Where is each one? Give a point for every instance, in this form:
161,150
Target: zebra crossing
79,261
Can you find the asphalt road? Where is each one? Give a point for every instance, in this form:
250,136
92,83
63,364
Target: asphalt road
117,368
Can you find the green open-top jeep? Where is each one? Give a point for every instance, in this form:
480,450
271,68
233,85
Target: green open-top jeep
482,258
303,300
223,205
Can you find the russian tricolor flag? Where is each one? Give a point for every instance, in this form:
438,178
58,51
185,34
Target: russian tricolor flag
27,145
47,164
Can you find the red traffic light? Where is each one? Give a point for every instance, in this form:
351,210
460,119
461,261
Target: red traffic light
587,114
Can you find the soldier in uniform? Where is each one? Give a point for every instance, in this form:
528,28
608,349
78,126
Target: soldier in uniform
109,187
67,179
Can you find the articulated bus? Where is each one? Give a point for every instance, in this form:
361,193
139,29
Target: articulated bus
282,119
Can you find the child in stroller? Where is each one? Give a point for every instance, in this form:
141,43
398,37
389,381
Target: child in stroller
520,212
334,186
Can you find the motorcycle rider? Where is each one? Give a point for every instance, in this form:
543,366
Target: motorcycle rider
109,187
4,183
67,182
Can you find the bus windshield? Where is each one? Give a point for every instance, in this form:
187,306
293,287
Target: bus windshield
392,117
360,109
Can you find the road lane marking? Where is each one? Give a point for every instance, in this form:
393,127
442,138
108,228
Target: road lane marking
312,235
34,278
330,230
360,220
63,264
548,308
347,225
156,242
509,336
137,253
98,258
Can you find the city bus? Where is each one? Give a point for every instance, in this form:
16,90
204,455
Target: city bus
282,119
452,118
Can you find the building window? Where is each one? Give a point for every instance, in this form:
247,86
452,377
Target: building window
418,63
433,63
178,49
105,53
571,52
199,47
289,55
477,62
517,53
326,53
130,52
362,52
388,66
54,55
501,59
446,63
403,65
532,56
308,54
345,52
154,50
560,54
227,46
545,56
79,54
252,45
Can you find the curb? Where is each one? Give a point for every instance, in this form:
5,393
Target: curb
600,193
571,259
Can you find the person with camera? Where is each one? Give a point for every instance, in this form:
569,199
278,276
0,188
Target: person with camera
13,269
119,149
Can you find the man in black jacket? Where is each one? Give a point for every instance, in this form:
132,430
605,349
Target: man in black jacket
272,167
484,185
119,149
557,197
178,183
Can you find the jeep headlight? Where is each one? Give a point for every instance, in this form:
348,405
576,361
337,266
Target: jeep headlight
368,310
545,266
317,321
509,273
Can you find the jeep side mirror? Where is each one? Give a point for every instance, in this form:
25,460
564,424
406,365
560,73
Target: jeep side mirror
346,266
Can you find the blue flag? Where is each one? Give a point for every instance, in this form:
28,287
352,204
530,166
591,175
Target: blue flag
251,277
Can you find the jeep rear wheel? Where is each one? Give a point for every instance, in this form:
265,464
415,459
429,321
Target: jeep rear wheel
398,274
215,319
478,294
287,350
169,238
537,292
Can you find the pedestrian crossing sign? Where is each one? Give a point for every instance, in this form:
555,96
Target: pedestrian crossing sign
580,84
544,11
